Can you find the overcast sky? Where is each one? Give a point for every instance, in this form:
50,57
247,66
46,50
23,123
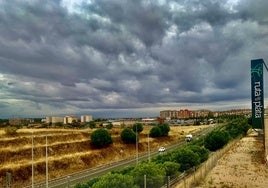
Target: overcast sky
128,58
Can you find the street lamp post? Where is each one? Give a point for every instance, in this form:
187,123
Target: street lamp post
137,149
46,164
149,158
32,160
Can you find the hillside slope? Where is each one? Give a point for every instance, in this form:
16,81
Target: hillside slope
69,151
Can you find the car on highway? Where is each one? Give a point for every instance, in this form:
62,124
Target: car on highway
188,137
161,149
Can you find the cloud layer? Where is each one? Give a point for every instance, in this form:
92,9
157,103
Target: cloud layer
127,57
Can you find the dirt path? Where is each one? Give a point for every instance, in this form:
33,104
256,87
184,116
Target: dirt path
242,166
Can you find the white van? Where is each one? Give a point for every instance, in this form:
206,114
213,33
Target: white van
189,137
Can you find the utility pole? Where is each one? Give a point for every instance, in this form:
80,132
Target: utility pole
149,157
46,164
137,150
32,160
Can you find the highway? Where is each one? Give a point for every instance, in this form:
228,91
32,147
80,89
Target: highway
82,176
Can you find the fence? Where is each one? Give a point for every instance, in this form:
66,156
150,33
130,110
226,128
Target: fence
190,178
194,176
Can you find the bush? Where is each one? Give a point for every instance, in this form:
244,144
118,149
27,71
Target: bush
92,124
109,126
202,152
161,159
154,175
115,181
237,127
87,184
186,158
101,138
128,136
160,130
171,168
216,140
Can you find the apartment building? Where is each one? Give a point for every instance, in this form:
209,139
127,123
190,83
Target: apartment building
174,114
86,118
69,119
54,119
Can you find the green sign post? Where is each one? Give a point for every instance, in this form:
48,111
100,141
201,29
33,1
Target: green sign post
257,101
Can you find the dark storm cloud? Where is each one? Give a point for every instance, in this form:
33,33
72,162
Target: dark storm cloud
70,56
144,19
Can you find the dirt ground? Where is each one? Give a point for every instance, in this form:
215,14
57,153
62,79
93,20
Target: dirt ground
242,166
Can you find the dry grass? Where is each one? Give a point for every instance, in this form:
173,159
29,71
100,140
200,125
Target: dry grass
69,150
242,166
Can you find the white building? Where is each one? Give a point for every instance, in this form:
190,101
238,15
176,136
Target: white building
69,119
86,118
54,119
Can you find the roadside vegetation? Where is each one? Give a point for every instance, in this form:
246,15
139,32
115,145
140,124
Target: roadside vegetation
173,163
97,134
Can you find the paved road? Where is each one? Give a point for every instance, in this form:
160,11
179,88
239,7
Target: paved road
72,179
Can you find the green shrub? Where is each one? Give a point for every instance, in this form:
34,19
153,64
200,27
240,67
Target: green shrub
155,132
164,129
92,124
155,174
237,127
87,184
109,126
186,158
101,138
115,181
171,168
128,136
202,152
216,139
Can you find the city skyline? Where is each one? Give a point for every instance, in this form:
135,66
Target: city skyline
128,58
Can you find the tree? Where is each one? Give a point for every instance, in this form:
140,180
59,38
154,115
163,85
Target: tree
164,129
155,132
237,127
137,127
109,126
216,139
154,175
171,168
101,138
75,123
58,124
160,130
115,181
87,184
92,124
202,152
128,136
186,158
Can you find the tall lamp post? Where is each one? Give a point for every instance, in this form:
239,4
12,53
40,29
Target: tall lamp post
46,164
32,160
149,158
137,150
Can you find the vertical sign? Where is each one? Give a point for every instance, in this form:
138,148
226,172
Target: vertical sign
257,101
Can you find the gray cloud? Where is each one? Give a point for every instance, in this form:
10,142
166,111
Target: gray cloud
138,56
